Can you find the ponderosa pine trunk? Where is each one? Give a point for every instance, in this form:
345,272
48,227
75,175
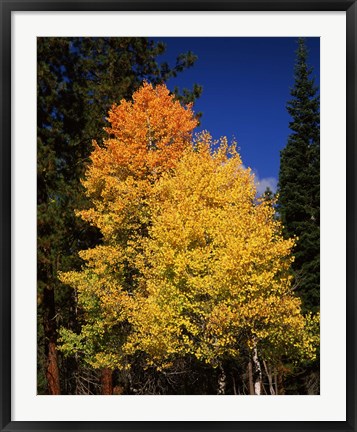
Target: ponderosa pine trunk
106,380
50,333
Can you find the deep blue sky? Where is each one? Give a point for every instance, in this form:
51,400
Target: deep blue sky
246,85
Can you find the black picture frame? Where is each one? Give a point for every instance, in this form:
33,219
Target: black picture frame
9,6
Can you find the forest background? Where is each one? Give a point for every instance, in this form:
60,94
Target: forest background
78,81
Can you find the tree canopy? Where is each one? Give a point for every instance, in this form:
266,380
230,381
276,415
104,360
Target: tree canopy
191,263
78,80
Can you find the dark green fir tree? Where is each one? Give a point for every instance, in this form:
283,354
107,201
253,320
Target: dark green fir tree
268,195
299,182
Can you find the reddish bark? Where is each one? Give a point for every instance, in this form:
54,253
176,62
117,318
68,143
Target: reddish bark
50,329
52,371
106,379
250,377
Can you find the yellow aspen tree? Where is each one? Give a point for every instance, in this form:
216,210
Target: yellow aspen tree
146,138
214,272
191,264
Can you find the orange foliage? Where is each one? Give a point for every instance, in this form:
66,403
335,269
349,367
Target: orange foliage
154,120
147,136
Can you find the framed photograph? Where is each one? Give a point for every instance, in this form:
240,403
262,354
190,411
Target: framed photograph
178,215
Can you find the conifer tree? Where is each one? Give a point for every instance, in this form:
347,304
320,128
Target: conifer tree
268,194
299,181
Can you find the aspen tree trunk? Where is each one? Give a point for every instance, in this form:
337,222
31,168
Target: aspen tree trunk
250,377
276,380
106,380
270,379
257,372
234,385
50,332
222,381
280,382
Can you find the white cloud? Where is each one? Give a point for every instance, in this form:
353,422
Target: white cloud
263,183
